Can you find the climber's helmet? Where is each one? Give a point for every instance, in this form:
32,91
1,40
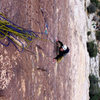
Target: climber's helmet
64,47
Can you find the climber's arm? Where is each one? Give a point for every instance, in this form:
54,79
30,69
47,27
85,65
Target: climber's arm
61,44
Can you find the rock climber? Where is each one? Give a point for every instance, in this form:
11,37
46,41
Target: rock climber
62,50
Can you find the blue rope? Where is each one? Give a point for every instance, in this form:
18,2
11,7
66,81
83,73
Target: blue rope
22,31
6,45
19,31
2,35
22,28
14,43
11,41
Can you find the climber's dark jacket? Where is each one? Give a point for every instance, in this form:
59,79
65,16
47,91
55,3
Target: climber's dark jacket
60,52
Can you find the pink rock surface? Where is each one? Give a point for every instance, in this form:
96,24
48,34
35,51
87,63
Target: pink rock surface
21,74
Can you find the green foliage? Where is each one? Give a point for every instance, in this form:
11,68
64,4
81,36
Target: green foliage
98,13
88,33
98,35
95,2
91,8
99,5
94,90
92,49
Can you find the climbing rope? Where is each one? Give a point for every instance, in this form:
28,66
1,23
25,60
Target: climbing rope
45,21
14,34
46,25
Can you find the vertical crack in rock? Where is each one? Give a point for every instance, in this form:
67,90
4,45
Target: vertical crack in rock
23,86
37,55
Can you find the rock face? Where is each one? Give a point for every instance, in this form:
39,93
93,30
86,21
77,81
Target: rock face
27,76
79,55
